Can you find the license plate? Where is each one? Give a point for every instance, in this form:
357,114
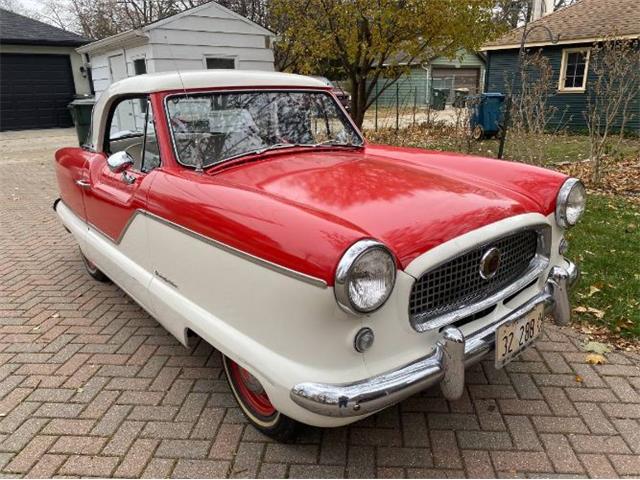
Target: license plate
515,336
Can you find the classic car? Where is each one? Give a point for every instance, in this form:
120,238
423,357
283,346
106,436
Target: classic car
336,277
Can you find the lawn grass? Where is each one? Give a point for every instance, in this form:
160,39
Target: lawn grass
606,245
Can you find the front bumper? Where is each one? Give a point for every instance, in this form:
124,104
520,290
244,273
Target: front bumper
444,365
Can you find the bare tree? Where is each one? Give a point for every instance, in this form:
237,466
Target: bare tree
515,13
530,111
18,7
611,88
102,18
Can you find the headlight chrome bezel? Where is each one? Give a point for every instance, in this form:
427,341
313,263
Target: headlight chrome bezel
562,199
343,275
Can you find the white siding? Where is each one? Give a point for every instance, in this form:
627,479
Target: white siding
212,31
184,42
100,72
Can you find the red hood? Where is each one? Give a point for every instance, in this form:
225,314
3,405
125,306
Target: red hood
410,199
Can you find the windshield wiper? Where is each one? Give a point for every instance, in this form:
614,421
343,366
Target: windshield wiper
258,151
278,146
333,143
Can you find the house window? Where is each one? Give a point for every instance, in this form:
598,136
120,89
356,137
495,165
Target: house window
139,66
217,63
574,68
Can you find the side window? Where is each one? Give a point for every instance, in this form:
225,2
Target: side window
215,63
139,66
129,129
574,69
326,121
151,153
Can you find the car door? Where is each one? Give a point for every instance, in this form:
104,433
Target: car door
118,192
72,174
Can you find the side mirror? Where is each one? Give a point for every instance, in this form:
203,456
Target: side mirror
119,162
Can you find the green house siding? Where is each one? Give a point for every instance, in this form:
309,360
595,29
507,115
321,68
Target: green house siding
417,83
410,85
502,65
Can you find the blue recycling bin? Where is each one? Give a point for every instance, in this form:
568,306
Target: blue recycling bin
487,115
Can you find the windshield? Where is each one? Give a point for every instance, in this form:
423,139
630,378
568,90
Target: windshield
213,127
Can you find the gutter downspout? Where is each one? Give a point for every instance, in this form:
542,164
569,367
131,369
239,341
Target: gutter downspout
427,68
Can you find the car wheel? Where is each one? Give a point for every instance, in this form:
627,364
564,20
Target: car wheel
478,133
93,270
255,404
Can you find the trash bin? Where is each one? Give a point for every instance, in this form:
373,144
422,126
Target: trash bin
487,115
80,109
460,97
439,98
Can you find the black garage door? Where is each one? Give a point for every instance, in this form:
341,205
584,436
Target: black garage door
35,91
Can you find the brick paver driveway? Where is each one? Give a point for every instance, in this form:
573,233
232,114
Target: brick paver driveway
91,385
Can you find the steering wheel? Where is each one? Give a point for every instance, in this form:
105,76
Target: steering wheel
133,145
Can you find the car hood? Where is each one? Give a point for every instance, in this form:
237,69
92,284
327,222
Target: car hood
412,200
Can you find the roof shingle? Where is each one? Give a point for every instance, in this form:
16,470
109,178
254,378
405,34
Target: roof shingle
583,20
18,29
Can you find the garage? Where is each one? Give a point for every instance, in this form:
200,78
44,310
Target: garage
35,91
40,73
452,79
457,77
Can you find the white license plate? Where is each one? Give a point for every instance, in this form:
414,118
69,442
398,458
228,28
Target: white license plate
515,336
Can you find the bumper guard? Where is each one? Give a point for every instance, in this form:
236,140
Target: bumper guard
444,365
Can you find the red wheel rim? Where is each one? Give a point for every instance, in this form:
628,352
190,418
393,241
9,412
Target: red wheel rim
246,384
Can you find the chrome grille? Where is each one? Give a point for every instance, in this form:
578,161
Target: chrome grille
457,282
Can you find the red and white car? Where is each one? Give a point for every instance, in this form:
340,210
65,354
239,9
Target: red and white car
335,276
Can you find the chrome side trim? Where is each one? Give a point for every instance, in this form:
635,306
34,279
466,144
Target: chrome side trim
538,265
317,282
239,253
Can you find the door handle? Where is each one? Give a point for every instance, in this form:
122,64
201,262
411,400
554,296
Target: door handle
128,179
83,183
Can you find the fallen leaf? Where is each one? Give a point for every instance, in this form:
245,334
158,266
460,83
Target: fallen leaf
579,379
596,347
595,359
593,289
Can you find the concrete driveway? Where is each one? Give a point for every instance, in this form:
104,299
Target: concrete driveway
90,385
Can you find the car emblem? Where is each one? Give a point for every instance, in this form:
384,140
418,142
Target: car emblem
489,263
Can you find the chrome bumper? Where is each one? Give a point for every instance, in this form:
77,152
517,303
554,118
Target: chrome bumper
444,365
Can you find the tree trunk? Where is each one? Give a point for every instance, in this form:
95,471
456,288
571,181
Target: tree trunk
358,99
357,103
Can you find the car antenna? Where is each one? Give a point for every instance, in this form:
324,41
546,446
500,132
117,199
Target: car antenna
199,159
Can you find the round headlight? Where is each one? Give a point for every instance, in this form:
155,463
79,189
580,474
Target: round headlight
365,277
570,203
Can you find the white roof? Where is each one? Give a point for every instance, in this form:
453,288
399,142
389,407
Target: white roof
126,38
189,80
